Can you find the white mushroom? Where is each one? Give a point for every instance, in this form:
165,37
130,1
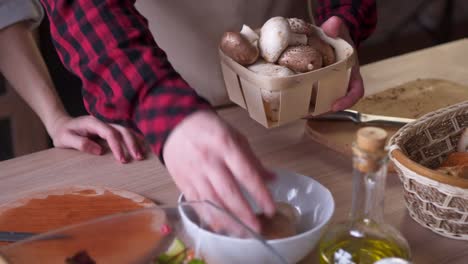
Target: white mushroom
276,36
271,99
271,104
270,69
258,31
250,34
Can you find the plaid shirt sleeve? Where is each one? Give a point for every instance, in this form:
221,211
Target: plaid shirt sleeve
359,15
126,77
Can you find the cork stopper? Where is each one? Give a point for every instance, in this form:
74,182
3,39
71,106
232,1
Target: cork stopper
371,139
370,148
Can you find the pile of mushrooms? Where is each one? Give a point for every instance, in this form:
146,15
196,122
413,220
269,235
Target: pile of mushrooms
282,47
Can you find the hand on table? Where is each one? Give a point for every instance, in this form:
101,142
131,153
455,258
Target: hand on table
77,133
335,27
209,160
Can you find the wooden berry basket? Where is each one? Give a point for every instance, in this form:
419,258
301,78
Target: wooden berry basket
434,200
300,95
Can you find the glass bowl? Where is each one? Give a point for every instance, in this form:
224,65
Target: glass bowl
152,235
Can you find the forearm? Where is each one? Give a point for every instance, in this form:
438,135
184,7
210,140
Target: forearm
23,66
360,16
126,77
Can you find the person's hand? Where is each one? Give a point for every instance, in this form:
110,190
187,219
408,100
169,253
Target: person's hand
334,27
78,133
209,160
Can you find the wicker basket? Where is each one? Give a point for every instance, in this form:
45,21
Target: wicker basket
311,93
435,200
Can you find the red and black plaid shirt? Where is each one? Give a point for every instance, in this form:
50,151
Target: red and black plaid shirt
359,15
127,78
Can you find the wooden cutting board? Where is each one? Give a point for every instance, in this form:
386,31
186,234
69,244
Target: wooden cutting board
53,209
409,100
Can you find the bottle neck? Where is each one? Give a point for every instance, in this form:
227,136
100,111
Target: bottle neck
369,177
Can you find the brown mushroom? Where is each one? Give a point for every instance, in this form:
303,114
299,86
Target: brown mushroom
328,53
301,58
299,26
239,48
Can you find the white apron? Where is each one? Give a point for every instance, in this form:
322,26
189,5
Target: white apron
189,32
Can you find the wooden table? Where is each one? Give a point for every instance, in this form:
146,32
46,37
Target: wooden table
286,147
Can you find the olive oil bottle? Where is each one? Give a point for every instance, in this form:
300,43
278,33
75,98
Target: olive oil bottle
365,238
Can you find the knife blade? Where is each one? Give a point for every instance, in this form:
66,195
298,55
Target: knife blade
362,118
7,236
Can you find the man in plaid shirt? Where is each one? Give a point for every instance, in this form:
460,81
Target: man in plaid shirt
127,79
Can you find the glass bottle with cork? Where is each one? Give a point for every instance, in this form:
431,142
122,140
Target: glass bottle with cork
365,238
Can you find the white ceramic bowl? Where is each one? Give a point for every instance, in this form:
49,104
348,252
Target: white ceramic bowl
314,202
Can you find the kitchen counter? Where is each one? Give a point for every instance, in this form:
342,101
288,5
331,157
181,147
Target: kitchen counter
285,147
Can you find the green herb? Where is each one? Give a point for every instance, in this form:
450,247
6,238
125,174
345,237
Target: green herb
196,261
